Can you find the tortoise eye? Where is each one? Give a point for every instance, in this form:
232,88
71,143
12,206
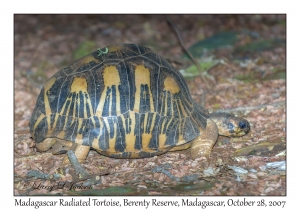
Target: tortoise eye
242,124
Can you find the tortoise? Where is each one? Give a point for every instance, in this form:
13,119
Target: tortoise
125,101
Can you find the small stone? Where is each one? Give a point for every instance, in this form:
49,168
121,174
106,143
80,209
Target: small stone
269,189
238,170
263,168
194,164
161,177
208,172
182,156
219,162
142,186
149,164
201,159
252,176
279,165
261,174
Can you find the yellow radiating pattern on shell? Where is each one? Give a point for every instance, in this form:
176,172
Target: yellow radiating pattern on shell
48,111
146,137
79,84
171,85
130,137
110,77
162,140
142,77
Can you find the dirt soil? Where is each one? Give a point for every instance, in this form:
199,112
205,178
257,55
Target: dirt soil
248,81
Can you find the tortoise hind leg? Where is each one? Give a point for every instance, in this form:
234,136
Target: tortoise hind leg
46,144
81,152
203,144
58,146
61,147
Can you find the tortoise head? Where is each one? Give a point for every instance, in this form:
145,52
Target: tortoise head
230,125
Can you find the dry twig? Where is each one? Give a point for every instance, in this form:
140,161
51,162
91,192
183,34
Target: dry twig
187,51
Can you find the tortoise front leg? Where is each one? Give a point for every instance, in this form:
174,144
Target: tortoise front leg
203,144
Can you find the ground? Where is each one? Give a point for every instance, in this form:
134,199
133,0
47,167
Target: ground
245,68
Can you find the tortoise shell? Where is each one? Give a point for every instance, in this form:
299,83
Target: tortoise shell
125,101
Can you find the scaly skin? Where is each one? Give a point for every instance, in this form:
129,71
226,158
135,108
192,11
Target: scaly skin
229,125
203,144
218,124
61,146
81,153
